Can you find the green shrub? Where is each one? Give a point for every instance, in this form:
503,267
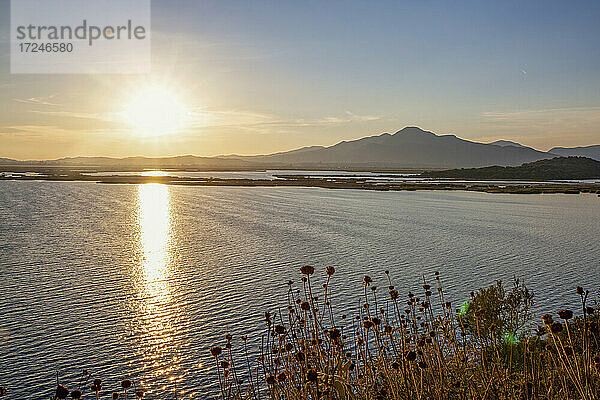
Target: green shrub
496,311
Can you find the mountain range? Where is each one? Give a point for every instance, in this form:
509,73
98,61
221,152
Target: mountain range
507,143
587,151
558,168
409,148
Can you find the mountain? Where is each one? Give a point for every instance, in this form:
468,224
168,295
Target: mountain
136,162
586,151
148,162
410,147
504,143
558,168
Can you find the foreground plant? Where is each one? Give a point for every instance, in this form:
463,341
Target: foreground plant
416,348
62,392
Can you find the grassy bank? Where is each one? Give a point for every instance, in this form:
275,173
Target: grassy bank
417,347
404,345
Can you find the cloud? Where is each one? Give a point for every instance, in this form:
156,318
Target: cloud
45,100
10,129
209,123
46,129
34,132
205,118
202,117
346,118
69,114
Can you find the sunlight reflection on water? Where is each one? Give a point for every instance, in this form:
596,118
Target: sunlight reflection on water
154,173
154,220
140,281
159,314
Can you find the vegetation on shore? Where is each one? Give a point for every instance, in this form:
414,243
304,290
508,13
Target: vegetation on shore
356,183
558,168
419,347
62,392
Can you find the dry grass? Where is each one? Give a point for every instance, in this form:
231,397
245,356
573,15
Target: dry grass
419,347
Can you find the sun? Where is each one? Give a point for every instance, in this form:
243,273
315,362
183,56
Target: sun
154,111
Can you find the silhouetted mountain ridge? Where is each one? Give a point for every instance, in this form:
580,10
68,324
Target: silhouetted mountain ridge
558,168
409,148
583,151
508,143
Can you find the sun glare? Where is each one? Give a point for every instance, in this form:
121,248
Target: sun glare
155,111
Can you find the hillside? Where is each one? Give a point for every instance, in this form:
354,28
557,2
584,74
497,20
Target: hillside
136,162
559,168
585,151
410,147
508,143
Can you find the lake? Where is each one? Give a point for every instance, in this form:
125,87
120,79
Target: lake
141,280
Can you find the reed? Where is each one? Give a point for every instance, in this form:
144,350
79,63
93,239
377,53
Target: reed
418,347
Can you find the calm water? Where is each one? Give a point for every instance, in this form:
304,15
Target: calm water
141,280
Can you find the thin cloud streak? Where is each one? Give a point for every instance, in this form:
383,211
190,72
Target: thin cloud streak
44,101
199,118
203,118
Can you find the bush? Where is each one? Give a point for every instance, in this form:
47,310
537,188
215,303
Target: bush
415,348
412,348
494,311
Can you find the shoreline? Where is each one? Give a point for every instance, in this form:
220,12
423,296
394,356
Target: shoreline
325,183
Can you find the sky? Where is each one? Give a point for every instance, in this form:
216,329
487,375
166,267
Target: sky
256,77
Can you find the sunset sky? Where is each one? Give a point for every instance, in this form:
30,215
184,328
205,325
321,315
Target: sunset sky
255,77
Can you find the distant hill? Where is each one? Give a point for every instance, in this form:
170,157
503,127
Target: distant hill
149,162
136,162
508,143
410,147
586,151
559,168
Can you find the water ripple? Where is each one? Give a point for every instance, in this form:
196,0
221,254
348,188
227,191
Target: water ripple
140,281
